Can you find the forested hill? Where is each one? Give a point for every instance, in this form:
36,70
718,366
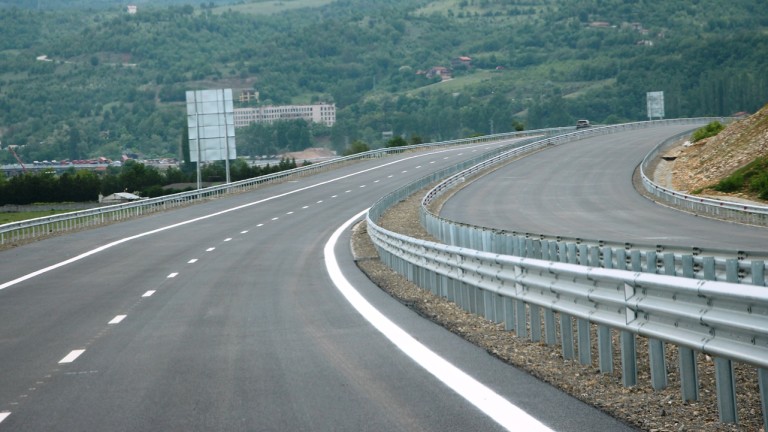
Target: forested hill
96,81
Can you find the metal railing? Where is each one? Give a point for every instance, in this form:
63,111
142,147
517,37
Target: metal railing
719,209
44,226
616,289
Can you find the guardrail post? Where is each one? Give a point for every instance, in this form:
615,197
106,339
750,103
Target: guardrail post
521,326
535,311
585,350
628,359
669,264
726,390
687,263
566,335
689,374
621,259
732,270
635,257
605,348
758,278
658,369
509,314
550,336
708,265
762,378
608,258
583,254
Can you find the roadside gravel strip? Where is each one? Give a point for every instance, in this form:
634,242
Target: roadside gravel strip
641,406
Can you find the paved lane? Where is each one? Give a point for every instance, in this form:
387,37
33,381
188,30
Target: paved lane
225,318
584,189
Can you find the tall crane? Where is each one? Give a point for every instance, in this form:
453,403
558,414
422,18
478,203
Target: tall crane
18,159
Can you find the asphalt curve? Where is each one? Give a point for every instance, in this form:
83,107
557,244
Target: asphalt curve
584,189
222,316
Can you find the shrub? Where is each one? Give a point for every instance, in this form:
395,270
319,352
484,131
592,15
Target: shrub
731,183
712,129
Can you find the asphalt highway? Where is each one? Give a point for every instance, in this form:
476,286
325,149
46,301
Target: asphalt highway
229,316
584,189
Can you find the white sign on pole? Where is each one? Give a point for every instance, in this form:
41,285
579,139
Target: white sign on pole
211,124
655,105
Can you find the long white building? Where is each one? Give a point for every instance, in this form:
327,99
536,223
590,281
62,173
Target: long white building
317,113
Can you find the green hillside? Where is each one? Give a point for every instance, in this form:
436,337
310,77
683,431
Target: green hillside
111,82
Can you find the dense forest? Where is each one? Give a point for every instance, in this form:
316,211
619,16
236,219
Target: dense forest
92,80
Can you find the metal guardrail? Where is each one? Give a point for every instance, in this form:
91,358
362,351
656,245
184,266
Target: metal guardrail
591,285
44,226
736,266
719,209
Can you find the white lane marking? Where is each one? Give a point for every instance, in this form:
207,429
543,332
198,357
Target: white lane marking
244,232
419,166
289,213
261,224
362,186
319,202
208,216
433,162
275,218
228,239
333,196
192,261
305,207
117,319
210,249
486,400
4,415
390,176
148,293
404,171
347,191
72,356
172,275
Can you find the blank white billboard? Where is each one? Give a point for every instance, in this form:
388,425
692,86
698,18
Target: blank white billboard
211,123
655,105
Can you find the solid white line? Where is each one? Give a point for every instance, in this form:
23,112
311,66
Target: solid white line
69,358
489,402
117,319
208,216
172,275
148,293
4,415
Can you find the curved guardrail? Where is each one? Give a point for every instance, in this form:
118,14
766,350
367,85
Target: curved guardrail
736,266
719,209
44,226
589,284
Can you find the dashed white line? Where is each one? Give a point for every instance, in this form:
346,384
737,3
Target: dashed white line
148,293
418,167
244,232
192,261
261,224
305,207
275,218
228,239
390,176
362,186
210,249
117,319
172,275
72,356
334,196
376,181
289,213
347,191
404,171
320,201
4,415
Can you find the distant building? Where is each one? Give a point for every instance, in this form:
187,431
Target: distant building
132,9
249,95
317,113
118,198
443,72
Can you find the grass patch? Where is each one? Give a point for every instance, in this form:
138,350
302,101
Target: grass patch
751,179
